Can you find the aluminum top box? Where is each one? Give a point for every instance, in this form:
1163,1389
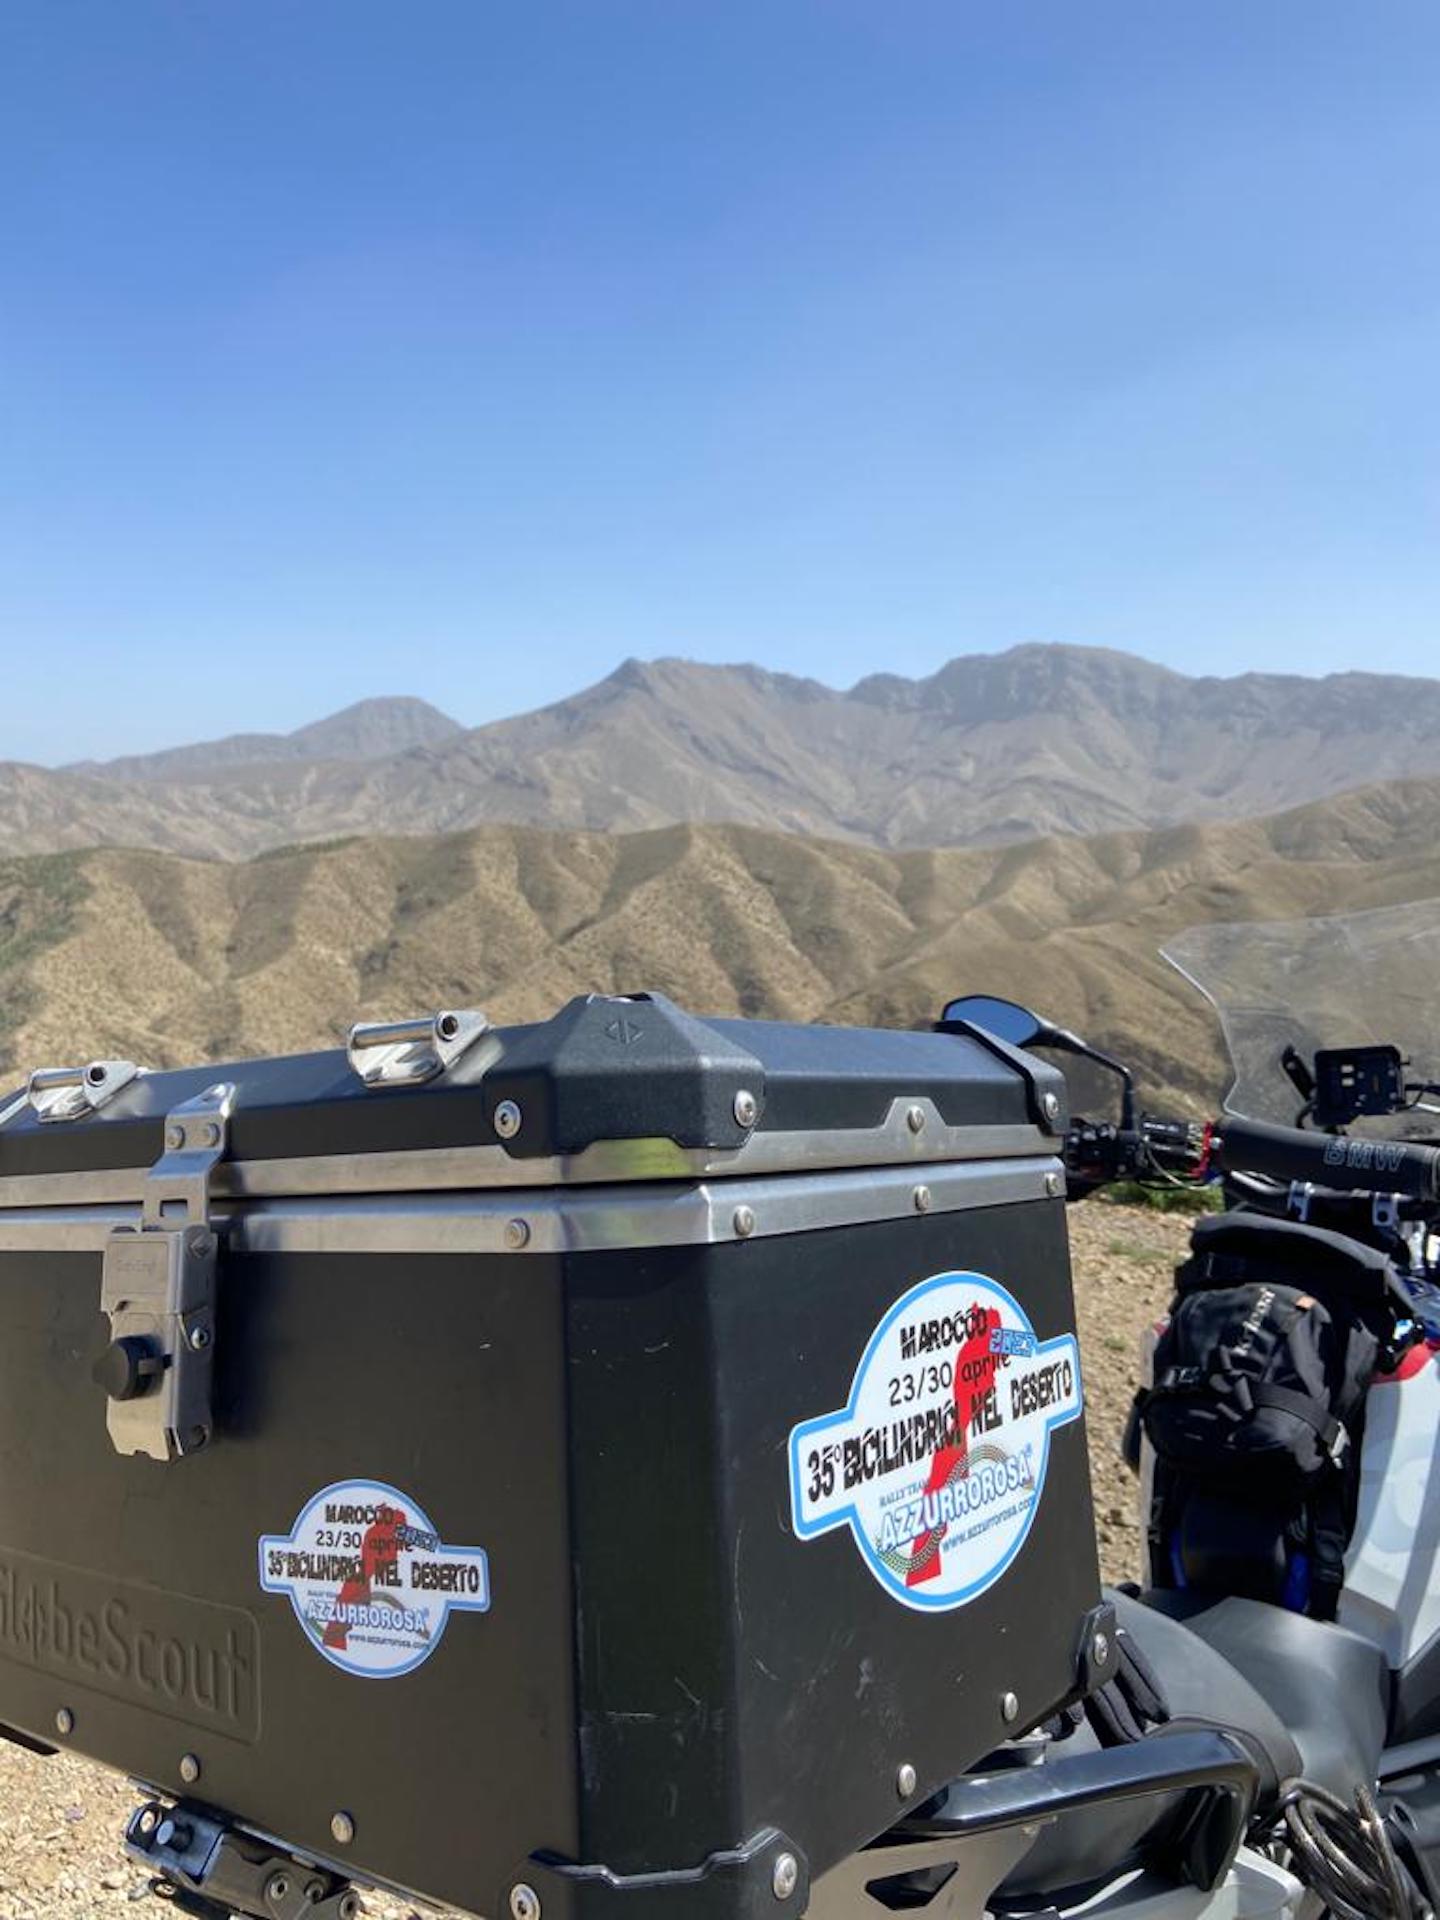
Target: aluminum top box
621,1462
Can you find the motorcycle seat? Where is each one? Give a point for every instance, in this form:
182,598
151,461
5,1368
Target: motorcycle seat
1327,1685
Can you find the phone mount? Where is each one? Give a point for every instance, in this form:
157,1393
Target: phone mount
1352,1082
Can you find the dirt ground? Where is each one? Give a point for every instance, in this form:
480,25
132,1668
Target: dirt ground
61,1818
1124,1259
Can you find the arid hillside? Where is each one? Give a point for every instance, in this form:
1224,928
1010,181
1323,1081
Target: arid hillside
162,959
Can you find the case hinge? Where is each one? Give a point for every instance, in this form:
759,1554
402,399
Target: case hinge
402,1053
157,1290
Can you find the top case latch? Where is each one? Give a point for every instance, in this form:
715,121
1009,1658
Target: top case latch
158,1291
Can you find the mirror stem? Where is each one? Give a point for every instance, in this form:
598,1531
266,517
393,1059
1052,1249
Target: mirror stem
1072,1043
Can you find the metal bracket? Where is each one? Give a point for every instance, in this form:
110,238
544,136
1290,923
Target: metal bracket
402,1053
767,1877
1098,1659
70,1093
208,1868
157,1290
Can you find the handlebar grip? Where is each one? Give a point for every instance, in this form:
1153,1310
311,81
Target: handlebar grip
1330,1160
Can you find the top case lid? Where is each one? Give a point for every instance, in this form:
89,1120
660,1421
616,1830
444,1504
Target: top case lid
612,1087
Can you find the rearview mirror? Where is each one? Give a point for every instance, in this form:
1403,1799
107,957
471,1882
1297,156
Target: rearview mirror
1006,1019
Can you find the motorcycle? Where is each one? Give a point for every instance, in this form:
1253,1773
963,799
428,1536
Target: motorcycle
1342,1715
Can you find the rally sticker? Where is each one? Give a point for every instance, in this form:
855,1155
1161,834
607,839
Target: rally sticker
370,1579
937,1461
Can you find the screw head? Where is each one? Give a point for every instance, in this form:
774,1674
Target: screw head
507,1119
784,1876
189,1768
747,1108
1100,1647
1009,1708
517,1234
175,1137
915,1119
524,1902
922,1198
905,1780
64,1721
1050,1106
1054,1185
200,1338
342,1827
210,1134
744,1222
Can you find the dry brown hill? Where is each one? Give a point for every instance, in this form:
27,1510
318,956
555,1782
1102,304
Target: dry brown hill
1040,740
163,959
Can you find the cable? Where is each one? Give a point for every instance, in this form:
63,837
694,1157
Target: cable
1344,1855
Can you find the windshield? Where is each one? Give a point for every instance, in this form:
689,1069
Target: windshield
1348,980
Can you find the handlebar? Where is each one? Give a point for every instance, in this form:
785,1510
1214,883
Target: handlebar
1330,1160
1097,1153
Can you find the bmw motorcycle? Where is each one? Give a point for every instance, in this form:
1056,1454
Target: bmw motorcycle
1339,1715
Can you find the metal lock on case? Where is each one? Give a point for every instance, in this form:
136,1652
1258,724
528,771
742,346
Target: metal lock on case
157,1290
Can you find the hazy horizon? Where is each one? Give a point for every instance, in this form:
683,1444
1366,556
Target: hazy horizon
122,749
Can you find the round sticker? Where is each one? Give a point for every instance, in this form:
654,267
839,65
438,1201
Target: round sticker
937,1460
370,1579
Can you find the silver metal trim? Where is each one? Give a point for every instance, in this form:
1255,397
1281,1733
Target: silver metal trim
981,1861
417,1170
678,1214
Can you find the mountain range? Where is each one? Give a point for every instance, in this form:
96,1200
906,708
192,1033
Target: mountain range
1039,741
163,958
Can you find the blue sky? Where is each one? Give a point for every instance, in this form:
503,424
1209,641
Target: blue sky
463,349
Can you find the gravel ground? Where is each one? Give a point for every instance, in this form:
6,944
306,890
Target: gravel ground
61,1819
1125,1258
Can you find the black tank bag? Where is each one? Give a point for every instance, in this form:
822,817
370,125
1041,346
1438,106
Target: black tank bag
1256,1412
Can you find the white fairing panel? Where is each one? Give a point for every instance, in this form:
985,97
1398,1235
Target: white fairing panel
1392,1594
